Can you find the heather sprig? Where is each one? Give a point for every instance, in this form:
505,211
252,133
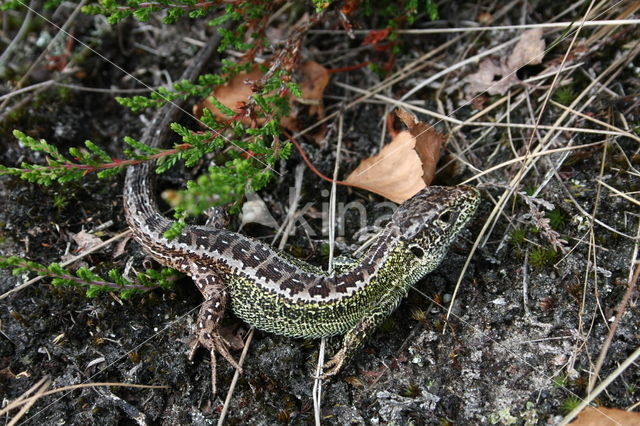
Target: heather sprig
247,143
94,283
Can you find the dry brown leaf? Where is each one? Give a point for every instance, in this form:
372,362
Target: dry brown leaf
528,51
395,172
85,240
120,247
602,416
483,79
404,166
354,381
428,144
234,94
312,79
254,210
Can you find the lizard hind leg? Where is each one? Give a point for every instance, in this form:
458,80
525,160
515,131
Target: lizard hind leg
208,324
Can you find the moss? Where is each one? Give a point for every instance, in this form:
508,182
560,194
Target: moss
411,391
560,381
518,236
60,201
631,388
558,219
64,94
324,250
541,257
419,315
388,325
569,404
565,95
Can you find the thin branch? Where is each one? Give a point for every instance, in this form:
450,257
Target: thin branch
426,31
236,376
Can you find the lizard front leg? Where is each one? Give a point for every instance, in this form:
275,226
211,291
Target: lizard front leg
211,312
353,341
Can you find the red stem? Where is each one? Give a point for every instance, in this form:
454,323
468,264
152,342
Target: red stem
349,68
312,167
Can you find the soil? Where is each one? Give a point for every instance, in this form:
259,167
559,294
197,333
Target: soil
527,324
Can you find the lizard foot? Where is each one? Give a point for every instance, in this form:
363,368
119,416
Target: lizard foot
334,365
215,344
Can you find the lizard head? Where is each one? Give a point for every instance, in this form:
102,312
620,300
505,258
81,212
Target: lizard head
430,221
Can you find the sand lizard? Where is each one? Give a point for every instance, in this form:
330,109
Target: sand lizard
277,293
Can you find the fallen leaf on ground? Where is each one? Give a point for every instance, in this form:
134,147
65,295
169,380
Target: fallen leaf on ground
602,416
428,144
254,210
119,249
528,51
404,166
85,240
354,381
312,78
483,79
234,94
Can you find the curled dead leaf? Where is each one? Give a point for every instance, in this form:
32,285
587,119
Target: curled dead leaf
528,51
85,240
404,166
311,77
254,210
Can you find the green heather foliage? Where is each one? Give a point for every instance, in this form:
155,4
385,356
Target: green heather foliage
94,283
245,154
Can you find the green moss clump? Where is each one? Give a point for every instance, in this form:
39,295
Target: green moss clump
518,236
541,257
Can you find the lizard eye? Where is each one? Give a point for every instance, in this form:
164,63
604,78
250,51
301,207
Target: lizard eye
446,216
417,251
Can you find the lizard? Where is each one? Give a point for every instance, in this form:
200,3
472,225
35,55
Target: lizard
277,293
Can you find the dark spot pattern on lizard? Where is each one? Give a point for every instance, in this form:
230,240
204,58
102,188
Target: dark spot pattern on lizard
346,281
320,288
